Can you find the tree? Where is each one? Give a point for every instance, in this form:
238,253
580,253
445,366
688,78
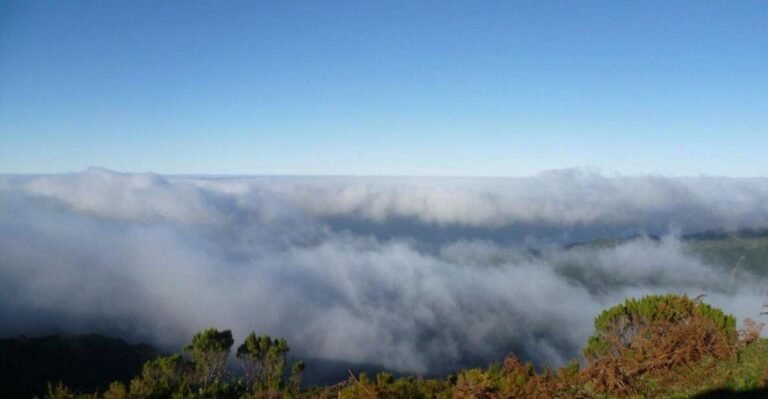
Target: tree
209,350
296,372
264,360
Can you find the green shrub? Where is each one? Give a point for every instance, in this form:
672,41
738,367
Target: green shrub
618,326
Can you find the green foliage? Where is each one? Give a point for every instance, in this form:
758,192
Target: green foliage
386,386
116,390
297,370
161,378
210,340
235,390
209,350
644,346
617,326
264,361
59,391
725,322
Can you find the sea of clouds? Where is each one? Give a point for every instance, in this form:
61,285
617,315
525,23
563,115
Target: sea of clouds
419,275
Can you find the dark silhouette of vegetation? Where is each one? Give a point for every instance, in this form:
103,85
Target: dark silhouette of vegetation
733,394
84,362
653,347
204,372
159,378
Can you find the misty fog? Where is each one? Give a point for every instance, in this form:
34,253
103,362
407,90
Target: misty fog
413,274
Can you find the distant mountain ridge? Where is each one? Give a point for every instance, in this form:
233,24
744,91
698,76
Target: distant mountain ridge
84,362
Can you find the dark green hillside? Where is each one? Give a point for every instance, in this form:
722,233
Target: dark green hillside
83,362
744,251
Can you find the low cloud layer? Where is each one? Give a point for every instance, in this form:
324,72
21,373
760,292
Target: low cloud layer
418,275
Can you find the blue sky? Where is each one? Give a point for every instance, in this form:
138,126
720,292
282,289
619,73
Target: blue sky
489,88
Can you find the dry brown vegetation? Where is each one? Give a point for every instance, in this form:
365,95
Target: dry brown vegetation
656,350
751,331
643,348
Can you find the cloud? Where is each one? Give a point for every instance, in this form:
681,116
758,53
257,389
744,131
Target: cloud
560,198
157,258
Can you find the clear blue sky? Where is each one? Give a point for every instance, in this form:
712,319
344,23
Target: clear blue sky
500,88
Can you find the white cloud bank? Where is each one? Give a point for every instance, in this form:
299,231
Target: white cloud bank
157,258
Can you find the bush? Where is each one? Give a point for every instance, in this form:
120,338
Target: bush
160,378
651,336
